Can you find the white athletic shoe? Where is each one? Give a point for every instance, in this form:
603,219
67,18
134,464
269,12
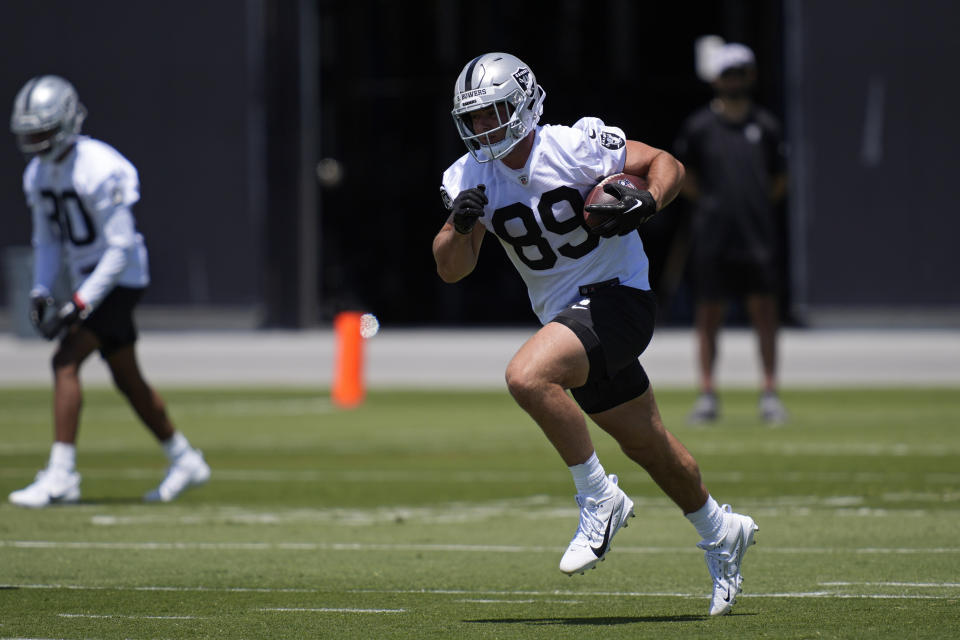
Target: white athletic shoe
705,409
771,409
599,522
189,470
725,557
50,485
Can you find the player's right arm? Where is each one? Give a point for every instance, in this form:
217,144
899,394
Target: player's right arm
45,237
456,253
457,245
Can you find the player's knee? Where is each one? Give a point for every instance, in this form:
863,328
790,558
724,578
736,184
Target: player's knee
522,381
63,364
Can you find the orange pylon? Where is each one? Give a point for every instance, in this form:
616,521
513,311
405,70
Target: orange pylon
348,385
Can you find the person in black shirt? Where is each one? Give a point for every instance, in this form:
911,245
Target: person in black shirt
734,154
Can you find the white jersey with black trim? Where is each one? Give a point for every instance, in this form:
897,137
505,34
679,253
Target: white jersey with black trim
537,213
82,205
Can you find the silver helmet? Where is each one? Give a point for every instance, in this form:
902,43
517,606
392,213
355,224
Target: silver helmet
506,83
47,116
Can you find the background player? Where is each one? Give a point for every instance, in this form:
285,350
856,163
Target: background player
733,152
80,192
526,184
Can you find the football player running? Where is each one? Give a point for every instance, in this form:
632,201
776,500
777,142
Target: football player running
526,183
80,192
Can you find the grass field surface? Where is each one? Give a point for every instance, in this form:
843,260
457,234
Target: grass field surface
444,515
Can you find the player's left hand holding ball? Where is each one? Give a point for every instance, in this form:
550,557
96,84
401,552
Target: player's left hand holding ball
633,208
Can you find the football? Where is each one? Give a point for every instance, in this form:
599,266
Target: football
598,196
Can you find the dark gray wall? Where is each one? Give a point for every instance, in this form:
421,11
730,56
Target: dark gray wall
874,100
208,99
169,85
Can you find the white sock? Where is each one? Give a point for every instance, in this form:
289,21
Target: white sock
590,478
708,520
62,456
175,446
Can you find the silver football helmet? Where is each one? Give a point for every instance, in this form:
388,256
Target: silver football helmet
506,83
47,116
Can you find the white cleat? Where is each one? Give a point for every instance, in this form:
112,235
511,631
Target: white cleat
599,522
189,470
725,557
705,409
771,409
50,486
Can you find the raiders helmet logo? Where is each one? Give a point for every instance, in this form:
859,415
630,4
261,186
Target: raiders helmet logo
611,140
447,201
522,76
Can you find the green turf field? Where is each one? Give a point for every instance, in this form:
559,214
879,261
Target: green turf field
444,515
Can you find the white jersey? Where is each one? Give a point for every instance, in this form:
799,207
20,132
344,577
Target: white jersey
537,213
82,206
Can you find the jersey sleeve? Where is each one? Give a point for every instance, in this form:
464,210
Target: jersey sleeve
120,232
600,150
452,183
29,183
120,188
45,236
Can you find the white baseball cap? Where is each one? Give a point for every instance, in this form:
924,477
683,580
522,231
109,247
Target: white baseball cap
730,56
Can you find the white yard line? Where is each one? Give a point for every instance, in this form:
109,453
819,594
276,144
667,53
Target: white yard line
756,447
378,476
330,610
924,585
655,594
83,587
485,596
456,548
127,617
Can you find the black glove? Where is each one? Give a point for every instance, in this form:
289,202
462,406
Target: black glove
38,308
67,315
633,209
468,208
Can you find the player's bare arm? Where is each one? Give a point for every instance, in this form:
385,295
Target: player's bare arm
664,173
690,187
456,249
456,253
778,188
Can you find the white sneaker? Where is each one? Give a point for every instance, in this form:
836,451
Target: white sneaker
189,470
725,557
50,485
599,522
771,409
705,409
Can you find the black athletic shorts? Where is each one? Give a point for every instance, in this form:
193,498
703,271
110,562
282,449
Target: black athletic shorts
719,280
112,321
615,324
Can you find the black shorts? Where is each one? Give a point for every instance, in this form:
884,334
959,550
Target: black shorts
718,280
615,327
112,321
